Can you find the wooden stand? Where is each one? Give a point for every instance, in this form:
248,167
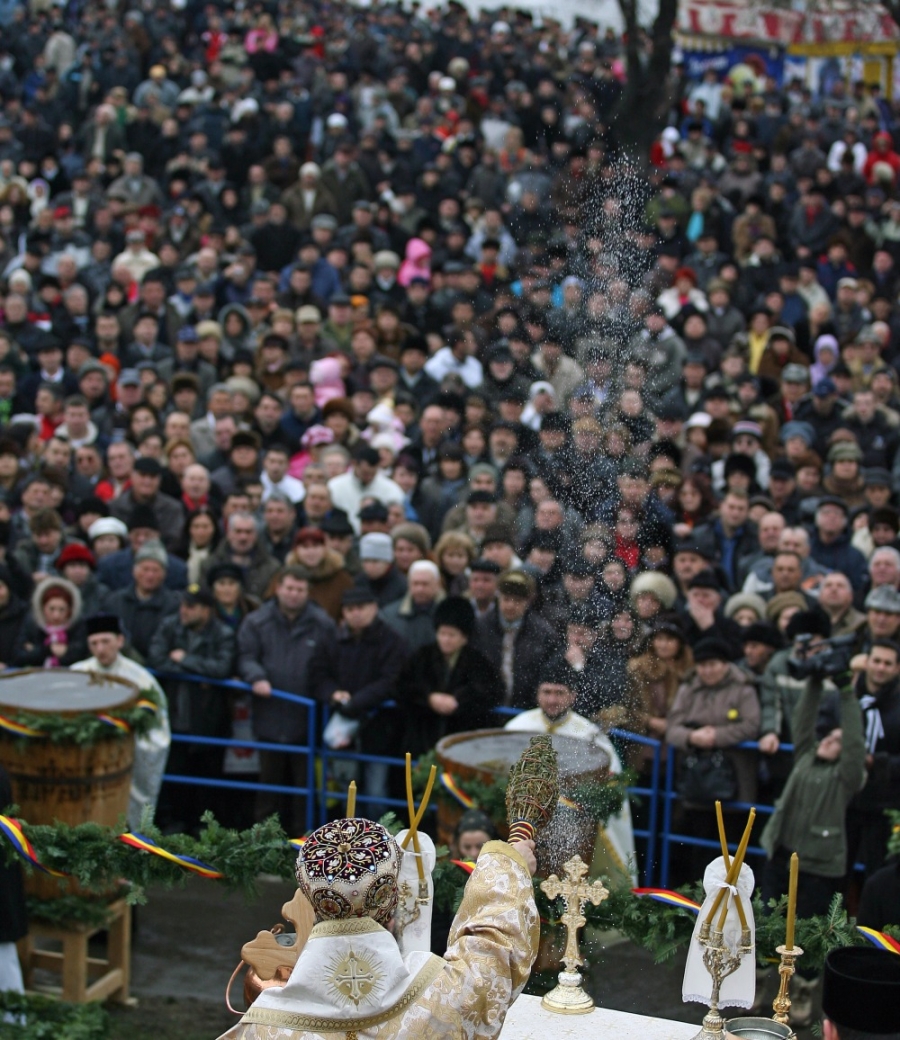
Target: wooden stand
83,977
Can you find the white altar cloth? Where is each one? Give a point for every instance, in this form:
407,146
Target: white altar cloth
527,1020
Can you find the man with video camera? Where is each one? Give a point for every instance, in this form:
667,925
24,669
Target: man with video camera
828,771
782,688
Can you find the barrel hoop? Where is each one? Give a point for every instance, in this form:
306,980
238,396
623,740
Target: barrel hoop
70,781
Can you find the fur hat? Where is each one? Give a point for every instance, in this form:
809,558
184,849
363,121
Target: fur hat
809,623
415,533
745,599
56,587
711,650
784,600
457,612
108,525
659,585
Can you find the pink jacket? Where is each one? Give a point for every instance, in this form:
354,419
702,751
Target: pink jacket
417,262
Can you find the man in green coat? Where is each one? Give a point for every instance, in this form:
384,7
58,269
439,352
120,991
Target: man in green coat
809,818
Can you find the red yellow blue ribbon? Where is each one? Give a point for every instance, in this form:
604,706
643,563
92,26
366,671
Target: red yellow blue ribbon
12,830
465,864
451,787
666,895
17,729
147,705
879,939
567,803
118,724
138,841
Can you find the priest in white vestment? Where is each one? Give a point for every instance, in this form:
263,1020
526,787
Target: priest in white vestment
352,981
556,696
151,749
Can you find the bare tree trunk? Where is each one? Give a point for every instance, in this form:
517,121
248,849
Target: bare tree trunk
640,114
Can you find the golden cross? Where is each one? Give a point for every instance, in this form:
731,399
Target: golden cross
575,892
355,978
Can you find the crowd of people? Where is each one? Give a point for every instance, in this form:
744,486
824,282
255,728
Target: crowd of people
347,352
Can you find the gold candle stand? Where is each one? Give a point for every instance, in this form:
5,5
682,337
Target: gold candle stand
781,1005
720,962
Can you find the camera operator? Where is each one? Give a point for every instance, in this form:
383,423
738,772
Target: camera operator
877,688
809,817
780,694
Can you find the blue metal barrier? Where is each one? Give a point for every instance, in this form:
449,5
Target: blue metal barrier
309,750
661,794
670,795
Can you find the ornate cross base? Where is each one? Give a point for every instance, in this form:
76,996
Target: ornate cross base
568,998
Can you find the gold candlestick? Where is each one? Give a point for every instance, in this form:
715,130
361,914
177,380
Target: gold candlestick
720,962
568,998
781,1005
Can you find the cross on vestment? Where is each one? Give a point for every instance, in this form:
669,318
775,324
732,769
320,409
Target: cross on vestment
575,892
355,978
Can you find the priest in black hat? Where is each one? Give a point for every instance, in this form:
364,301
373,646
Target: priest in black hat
105,642
556,693
861,995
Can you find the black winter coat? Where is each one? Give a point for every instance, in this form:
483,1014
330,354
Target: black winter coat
209,651
535,643
141,618
11,618
473,681
13,920
272,647
32,651
367,668
882,790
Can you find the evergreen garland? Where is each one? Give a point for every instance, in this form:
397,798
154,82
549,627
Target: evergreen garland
87,727
48,1019
98,860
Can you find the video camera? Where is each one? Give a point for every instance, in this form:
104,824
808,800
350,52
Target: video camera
826,659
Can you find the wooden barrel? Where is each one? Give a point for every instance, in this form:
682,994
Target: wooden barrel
72,783
487,754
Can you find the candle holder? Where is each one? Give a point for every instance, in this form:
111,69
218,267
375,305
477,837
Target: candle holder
720,962
781,1005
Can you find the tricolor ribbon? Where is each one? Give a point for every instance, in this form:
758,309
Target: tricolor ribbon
147,705
17,729
666,895
12,829
567,803
296,843
451,787
464,864
138,841
879,939
118,724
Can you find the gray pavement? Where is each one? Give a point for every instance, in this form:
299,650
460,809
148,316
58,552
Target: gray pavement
189,941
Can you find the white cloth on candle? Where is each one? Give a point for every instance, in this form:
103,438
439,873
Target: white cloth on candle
739,988
412,929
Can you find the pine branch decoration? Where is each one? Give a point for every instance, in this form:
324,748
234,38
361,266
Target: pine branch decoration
532,790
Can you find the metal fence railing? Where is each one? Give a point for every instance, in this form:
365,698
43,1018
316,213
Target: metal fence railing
658,794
